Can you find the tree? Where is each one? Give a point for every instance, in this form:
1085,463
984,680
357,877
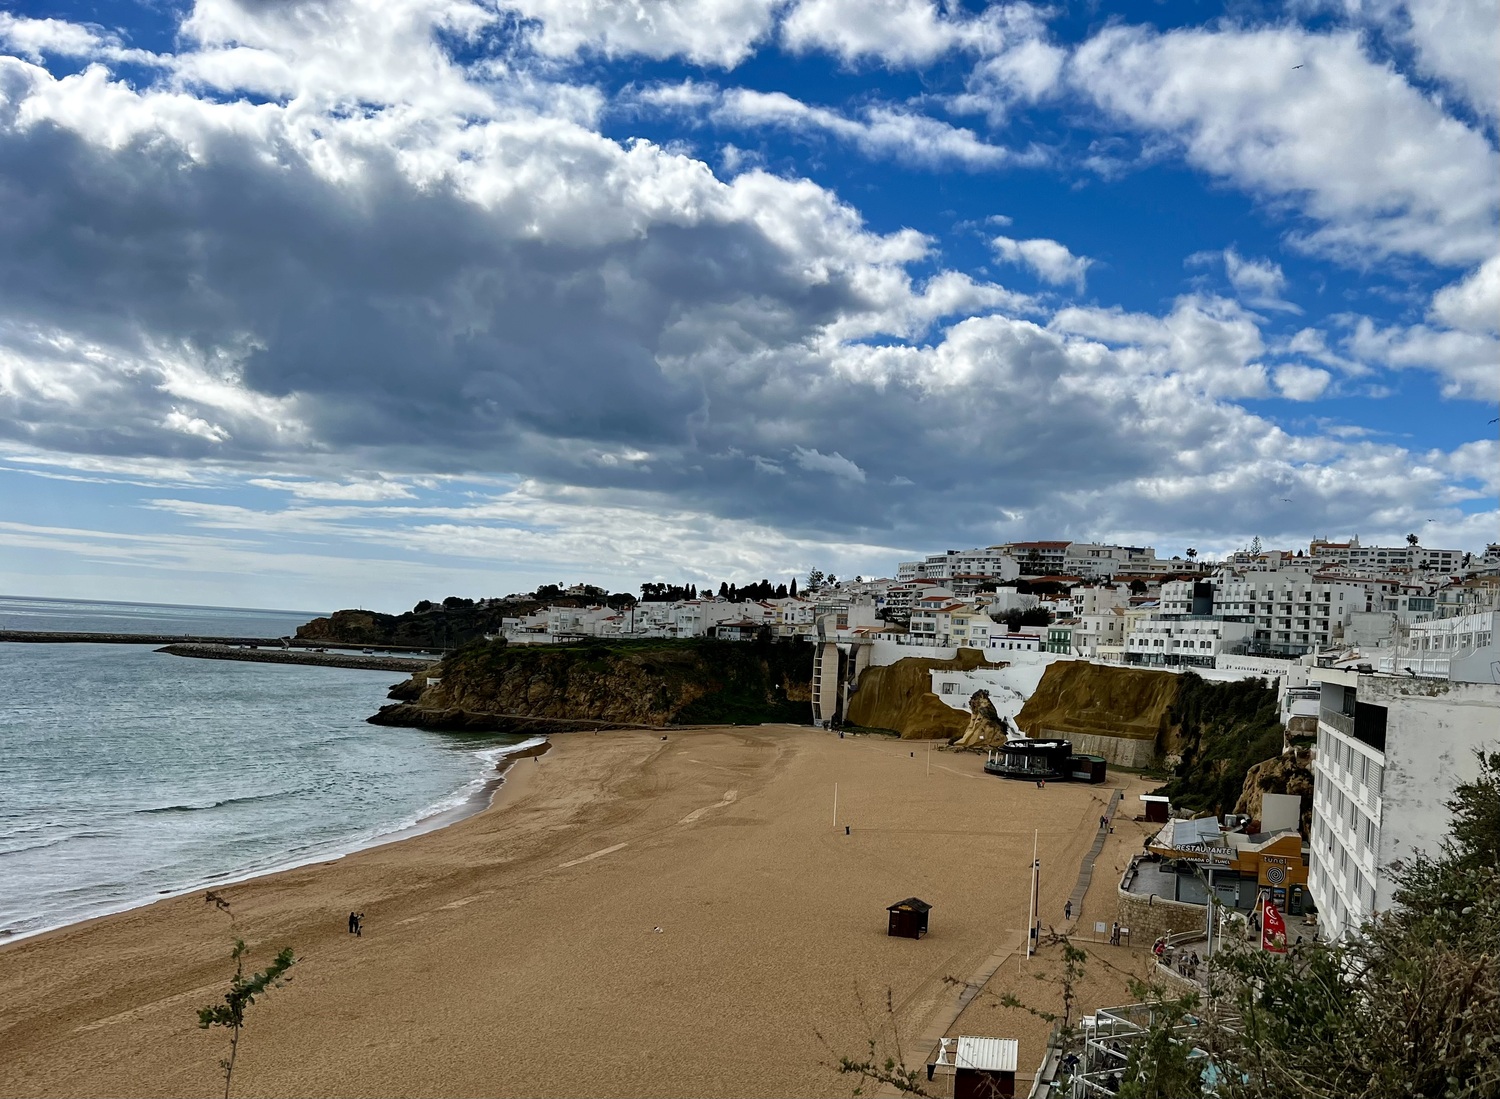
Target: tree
814,579
1137,587
1255,546
1192,554
242,990
792,588
1410,1006
1412,539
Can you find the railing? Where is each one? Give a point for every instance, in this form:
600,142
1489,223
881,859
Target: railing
1343,722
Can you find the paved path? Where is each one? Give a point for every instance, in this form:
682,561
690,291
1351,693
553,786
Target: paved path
1086,871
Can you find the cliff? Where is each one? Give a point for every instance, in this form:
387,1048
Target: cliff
899,697
669,682
1075,696
1223,731
436,627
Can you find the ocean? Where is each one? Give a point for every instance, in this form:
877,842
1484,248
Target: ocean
127,775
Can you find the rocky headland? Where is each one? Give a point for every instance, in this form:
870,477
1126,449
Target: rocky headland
698,681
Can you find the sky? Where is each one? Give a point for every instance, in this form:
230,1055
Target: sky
326,303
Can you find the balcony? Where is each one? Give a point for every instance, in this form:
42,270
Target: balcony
1336,719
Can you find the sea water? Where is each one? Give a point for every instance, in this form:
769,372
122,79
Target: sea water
128,774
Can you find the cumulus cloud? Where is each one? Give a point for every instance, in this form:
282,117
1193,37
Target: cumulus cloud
1051,261
1473,303
1394,175
709,32
898,32
1258,282
321,244
1301,383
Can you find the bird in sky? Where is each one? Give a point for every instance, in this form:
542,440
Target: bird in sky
1296,66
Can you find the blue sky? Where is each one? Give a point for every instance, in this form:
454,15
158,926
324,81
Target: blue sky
340,302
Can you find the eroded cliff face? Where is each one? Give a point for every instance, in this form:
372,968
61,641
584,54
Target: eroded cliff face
899,697
1075,696
642,683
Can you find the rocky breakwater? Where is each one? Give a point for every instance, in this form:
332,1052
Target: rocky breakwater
297,656
531,689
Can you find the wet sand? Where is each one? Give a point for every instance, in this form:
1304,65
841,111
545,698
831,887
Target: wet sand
516,952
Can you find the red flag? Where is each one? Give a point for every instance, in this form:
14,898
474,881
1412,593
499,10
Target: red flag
1272,930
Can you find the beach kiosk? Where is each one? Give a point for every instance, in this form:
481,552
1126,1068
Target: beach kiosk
982,1068
908,918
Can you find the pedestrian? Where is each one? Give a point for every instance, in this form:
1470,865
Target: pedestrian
359,925
1038,784
1068,910
353,920
1114,935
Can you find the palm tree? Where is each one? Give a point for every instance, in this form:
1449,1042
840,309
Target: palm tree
1411,539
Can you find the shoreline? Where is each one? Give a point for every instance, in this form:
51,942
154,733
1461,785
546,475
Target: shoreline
632,916
476,802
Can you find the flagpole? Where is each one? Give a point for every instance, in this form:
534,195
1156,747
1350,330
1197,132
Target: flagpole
1035,885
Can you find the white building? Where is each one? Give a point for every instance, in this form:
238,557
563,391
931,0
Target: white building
1104,629
1194,641
1390,753
902,598
1292,611
1386,559
991,563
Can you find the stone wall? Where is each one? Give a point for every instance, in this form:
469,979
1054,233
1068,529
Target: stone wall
1149,917
1123,751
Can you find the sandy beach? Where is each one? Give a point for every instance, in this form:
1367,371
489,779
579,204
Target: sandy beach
517,952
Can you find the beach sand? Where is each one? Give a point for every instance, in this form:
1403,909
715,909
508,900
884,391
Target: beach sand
516,952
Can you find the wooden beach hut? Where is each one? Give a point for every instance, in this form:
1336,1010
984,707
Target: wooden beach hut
908,918
1158,808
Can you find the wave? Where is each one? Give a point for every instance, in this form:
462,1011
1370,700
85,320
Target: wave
187,808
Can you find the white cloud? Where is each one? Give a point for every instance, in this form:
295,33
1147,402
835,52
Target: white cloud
334,490
1301,383
36,38
835,464
1392,174
1464,360
880,131
899,32
1258,282
708,32
1455,42
1473,303
1051,261
407,263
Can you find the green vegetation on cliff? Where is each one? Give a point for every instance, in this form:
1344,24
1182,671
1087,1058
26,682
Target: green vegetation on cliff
1225,729
658,682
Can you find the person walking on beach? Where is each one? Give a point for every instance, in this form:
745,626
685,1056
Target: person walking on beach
359,925
353,922
1068,910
